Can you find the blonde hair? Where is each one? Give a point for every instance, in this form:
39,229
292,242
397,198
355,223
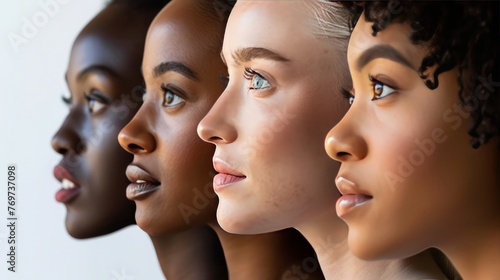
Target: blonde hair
331,23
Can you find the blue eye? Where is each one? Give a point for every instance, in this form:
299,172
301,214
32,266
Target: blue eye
170,99
380,90
257,82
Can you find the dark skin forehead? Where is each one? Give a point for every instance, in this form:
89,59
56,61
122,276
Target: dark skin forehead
172,38
114,39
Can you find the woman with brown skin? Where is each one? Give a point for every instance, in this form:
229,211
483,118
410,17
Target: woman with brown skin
419,146
171,174
102,76
269,125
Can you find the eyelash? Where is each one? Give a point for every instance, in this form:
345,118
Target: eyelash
95,96
224,79
67,100
377,82
251,74
347,95
174,91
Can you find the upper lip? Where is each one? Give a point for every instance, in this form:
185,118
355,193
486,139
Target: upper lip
61,172
346,186
223,167
136,174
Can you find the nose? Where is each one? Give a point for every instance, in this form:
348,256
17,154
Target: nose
345,141
217,126
68,139
137,136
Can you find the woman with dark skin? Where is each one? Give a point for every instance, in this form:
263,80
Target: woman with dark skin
104,97
171,174
419,145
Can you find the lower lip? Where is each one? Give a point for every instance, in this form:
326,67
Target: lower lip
222,180
349,202
66,195
141,191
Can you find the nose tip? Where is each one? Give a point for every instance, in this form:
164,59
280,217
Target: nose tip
135,140
207,134
344,143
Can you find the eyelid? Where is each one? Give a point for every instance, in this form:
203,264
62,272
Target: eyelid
374,81
174,89
348,95
97,96
250,74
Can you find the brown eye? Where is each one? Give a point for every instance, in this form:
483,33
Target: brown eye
96,101
378,89
170,99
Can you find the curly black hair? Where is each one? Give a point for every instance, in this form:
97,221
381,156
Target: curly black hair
461,34
144,5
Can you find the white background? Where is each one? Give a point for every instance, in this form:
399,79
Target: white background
31,86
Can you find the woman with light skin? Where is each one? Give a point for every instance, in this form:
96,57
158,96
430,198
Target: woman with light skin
419,145
171,174
287,64
104,97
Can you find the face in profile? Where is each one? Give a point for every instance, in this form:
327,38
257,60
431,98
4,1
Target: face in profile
171,174
407,162
102,101
269,124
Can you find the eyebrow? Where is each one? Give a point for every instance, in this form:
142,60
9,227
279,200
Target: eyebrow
95,68
174,66
246,54
382,51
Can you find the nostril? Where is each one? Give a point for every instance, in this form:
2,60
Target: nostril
342,154
215,139
62,151
134,147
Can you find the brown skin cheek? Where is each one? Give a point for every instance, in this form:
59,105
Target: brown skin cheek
186,166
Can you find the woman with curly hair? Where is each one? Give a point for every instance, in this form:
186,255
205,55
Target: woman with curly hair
269,125
419,145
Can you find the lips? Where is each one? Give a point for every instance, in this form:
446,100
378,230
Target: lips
142,184
70,189
352,196
227,175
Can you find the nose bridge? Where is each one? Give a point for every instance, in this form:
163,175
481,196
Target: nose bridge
71,134
217,125
139,136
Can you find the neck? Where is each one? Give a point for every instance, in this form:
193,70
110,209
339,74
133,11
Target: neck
476,253
192,254
270,256
328,236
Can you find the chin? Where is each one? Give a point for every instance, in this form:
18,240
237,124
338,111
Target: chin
79,230
237,224
82,227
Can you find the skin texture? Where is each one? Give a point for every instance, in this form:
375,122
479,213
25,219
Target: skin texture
273,135
429,187
269,131
164,143
87,137
162,137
